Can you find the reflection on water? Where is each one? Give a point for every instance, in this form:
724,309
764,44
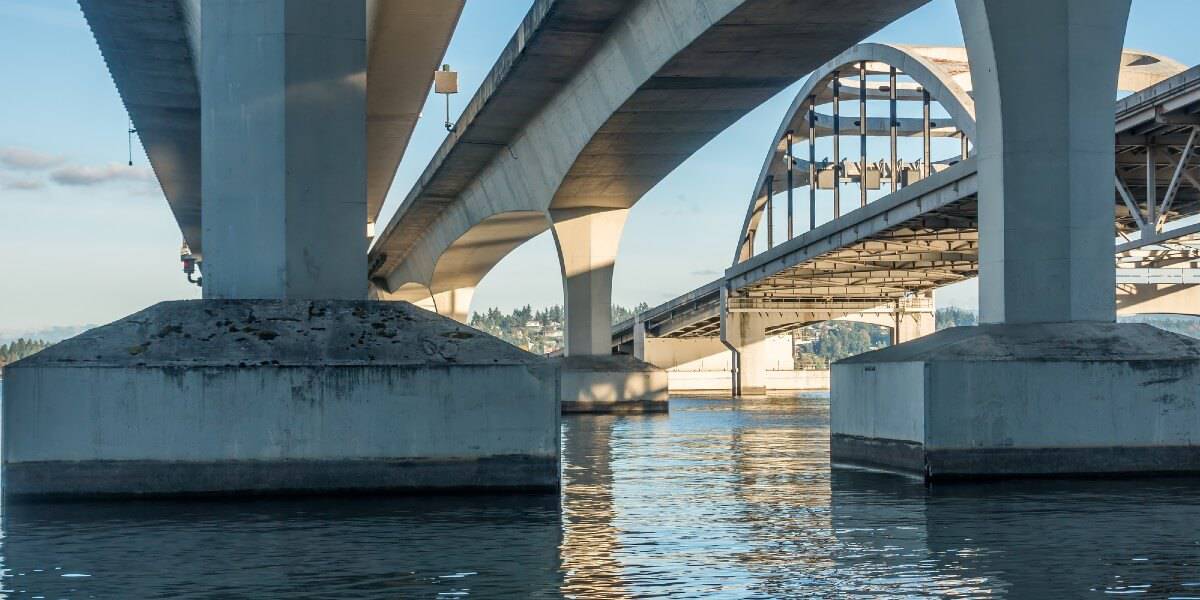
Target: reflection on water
717,499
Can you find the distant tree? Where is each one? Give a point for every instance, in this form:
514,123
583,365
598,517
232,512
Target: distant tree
620,313
20,348
952,316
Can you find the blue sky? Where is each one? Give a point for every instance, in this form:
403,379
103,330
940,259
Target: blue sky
84,239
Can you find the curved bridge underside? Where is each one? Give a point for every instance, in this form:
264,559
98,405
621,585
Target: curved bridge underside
152,50
634,88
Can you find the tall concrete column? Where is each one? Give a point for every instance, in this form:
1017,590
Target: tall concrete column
639,338
747,334
283,121
587,240
1045,78
455,304
1049,384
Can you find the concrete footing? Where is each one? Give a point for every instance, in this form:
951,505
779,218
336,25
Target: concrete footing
1051,399
614,384
239,396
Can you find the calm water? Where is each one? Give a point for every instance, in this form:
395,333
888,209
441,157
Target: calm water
716,500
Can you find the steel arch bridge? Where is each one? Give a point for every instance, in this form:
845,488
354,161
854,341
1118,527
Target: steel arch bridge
913,226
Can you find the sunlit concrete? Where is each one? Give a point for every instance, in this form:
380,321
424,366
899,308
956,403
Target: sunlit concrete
587,240
1161,298
613,384
705,364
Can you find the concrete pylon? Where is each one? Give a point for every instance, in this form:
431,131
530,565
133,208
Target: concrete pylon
284,217
1045,76
455,304
1048,384
285,378
587,240
594,380
746,334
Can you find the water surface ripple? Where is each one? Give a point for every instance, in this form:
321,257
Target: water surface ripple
719,499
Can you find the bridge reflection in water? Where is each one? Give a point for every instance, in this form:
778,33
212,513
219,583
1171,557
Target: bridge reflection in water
717,499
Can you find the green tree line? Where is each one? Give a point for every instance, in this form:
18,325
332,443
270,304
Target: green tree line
20,348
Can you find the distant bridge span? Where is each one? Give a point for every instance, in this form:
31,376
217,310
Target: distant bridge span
893,250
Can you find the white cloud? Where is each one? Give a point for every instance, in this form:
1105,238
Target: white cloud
24,184
88,175
27,159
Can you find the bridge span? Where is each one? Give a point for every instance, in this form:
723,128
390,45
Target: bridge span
284,379
881,261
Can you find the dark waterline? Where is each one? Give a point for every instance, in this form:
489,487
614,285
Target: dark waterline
719,499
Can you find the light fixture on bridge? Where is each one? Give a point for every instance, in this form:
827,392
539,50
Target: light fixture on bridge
446,82
129,140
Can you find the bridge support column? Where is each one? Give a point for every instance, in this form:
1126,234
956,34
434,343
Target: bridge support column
282,84
594,380
746,334
455,304
285,378
1049,384
910,326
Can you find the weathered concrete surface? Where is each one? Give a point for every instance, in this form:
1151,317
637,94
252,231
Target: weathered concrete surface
153,52
279,397
611,384
283,116
1015,400
1044,148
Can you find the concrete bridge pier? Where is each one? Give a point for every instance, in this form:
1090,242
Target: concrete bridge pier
284,379
1048,384
455,304
746,335
593,378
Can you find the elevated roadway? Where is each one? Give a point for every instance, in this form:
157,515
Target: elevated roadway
590,105
152,50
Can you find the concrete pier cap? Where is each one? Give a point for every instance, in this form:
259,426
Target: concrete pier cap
1048,384
279,396
284,379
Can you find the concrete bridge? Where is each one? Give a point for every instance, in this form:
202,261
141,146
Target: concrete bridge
285,380
880,262
590,106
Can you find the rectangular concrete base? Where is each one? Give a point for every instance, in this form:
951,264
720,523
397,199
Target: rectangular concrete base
616,384
1057,399
280,397
984,463
53,479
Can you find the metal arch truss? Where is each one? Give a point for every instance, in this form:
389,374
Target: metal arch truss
886,255
1157,133
936,75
